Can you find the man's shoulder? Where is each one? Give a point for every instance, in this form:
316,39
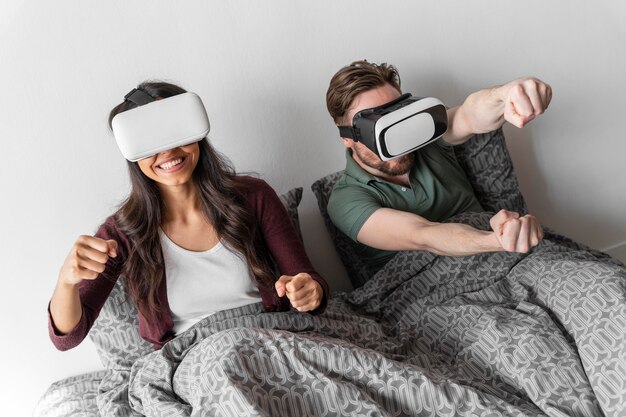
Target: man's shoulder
350,197
351,203
348,187
344,181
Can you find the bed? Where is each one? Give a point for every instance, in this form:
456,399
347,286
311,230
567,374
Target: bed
493,334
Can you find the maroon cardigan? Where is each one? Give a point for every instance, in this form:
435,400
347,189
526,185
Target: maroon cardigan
279,234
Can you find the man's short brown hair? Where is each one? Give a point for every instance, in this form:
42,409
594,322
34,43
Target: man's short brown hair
354,79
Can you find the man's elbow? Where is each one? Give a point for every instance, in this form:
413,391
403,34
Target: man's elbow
422,238
418,243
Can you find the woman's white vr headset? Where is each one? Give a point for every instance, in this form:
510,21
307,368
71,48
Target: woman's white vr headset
398,127
158,125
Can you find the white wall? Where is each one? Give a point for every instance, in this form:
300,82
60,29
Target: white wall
262,69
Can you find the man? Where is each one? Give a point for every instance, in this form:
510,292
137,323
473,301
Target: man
399,204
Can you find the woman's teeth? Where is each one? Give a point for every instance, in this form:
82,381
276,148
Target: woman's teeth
170,164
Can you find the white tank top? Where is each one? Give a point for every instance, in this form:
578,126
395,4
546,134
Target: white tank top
201,283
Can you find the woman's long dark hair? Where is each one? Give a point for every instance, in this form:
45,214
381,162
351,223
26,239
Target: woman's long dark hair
223,202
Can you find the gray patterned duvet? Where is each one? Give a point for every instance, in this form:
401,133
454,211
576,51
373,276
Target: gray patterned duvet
488,335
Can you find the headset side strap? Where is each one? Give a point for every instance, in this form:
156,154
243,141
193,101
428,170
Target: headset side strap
139,97
350,132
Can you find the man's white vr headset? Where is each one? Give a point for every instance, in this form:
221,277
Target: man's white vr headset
398,127
158,125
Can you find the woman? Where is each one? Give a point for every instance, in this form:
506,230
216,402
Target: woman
192,238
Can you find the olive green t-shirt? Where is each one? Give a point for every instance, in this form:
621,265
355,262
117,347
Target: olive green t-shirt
439,190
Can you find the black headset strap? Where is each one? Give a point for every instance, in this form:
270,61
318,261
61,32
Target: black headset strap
350,132
138,96
355,133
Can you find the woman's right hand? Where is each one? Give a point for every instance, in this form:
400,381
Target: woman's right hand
87,259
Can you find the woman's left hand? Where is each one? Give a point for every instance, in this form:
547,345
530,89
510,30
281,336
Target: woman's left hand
304,293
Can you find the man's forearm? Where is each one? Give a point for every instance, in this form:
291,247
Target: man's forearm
455,239
481,112
517,102
390,229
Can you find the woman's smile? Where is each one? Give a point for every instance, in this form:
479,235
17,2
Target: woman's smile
172,165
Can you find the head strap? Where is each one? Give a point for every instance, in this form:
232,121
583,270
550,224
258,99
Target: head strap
353,132
350,132
138,96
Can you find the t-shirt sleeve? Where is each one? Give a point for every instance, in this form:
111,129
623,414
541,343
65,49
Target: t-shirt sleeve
349,207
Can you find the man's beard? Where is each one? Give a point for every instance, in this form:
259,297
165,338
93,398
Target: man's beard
397,166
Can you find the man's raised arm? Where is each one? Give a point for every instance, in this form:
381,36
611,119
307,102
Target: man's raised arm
517,102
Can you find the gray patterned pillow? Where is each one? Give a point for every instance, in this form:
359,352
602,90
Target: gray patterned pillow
291,200
116,331
347,249
489,168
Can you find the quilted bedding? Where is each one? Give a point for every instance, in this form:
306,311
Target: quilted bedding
492,334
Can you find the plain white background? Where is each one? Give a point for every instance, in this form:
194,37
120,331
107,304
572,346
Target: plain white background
262,69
